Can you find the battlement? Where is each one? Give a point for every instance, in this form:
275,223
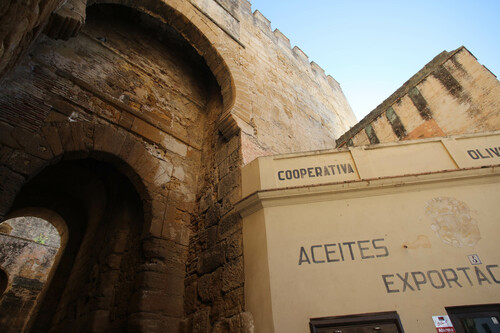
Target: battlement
281,40
232,15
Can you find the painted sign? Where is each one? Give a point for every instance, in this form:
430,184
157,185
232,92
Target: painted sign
314,169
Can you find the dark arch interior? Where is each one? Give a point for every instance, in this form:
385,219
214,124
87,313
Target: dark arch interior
4,281
98,267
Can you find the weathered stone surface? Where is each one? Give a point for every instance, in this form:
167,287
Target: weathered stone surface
157,302
229,224
201,321
232,275
209,286
211,259
67,20
20,24
152,322
10,185
234,246
422,106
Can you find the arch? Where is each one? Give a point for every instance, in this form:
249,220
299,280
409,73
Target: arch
47,215
182,17
103,215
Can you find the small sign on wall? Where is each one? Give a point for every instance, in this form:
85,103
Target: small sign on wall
443,324
474,259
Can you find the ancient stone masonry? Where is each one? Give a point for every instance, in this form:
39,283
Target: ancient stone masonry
131,121
452,94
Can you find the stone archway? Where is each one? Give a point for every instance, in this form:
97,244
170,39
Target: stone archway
132,112
94,283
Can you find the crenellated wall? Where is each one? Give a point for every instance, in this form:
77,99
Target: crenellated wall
291,104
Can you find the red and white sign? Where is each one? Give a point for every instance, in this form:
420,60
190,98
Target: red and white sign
443,324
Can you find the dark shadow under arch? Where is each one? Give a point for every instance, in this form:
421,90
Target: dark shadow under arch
105,219
202,43
4,282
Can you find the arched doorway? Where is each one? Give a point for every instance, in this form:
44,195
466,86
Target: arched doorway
96,275
127,88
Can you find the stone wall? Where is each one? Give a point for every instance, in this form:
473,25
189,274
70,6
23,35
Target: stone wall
28,265
453,94
115,93
176,95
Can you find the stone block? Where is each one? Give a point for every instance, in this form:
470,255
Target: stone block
212,216
247,323
234,246
232,275
208,238
221,154
99,319
211,259
201,321
157,302
222,326
162,174
227,184
24,163
5,153
152,322
233,144
171,284
175,230
52,137
6,137
229,200
126,120
147,131
191,302
156,226
229,224
83,136
108,139
66,138
174,145
164,252
209,286
234,302
206,202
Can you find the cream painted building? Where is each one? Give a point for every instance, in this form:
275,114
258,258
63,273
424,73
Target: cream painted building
394,233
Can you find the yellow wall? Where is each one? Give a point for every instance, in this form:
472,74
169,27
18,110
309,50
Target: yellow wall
415,224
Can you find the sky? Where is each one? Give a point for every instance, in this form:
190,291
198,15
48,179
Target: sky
371,47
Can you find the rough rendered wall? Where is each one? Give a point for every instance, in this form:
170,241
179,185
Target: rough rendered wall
453,94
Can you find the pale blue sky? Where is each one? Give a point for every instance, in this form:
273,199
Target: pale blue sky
371,47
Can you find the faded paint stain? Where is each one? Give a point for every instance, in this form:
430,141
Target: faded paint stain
452,221
422,241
